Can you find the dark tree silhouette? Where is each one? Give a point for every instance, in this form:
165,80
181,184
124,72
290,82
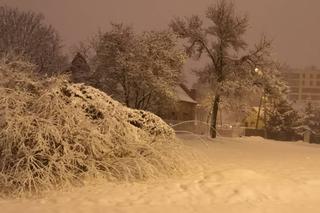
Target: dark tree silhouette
25,34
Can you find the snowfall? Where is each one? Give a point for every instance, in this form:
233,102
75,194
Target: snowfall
248,174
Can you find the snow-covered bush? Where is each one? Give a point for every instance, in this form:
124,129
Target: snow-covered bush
54,133
282,121
311,118
150,123
140,70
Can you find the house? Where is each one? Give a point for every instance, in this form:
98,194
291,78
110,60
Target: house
80,70
185,108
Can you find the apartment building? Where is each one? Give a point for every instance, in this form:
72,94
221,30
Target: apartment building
304,86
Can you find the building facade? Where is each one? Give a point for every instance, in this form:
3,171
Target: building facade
185,108
304,86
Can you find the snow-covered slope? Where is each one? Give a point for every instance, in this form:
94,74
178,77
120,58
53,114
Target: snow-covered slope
233,175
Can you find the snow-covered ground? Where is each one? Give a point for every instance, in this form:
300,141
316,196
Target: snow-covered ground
235,175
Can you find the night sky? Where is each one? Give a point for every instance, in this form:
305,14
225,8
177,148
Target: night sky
292,24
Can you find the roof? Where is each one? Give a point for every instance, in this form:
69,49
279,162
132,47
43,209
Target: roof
183,96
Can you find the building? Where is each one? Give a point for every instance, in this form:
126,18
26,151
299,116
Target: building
185,108
80,70
304,86
186,115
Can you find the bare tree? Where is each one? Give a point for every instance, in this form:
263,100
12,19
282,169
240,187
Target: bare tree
26,34
222,42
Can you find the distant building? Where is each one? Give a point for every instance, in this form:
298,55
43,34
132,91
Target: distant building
304,86
80,70
185,109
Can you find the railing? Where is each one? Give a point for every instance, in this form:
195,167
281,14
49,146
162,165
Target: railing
202,128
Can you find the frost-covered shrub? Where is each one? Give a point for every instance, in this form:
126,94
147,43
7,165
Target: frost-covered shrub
311,118
282,122
55,133
150,123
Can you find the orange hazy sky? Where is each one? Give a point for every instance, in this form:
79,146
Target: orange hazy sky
292,24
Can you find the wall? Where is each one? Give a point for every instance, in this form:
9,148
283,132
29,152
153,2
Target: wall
304,86
183,111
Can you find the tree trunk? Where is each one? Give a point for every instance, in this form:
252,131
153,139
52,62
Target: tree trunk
214,116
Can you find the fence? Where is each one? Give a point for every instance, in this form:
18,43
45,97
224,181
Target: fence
203,128
311,137
193,126
255,132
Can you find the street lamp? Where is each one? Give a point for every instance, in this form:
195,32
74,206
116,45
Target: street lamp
259,72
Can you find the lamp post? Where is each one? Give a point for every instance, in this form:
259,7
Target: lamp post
259,73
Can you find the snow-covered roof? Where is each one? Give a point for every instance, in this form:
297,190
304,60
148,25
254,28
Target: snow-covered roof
183,96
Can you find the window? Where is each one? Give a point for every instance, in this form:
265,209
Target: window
294,90
293,76
315,97
293,97
311,83
185,116
311,90
305,97
293,83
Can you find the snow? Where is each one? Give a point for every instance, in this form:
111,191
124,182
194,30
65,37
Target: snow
183,96
232,175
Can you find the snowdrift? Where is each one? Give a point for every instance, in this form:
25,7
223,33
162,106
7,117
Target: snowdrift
54,133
